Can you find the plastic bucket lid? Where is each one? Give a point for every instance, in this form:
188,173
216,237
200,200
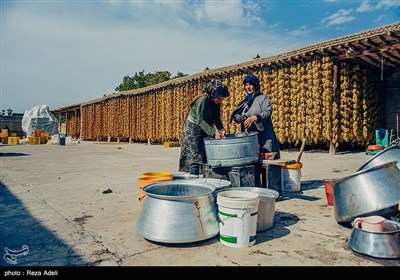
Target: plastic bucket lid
238,199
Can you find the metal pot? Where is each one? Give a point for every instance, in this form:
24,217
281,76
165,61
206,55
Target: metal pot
385,244
217,183
179,211
373,191
266,208
184,176
387,155
233,150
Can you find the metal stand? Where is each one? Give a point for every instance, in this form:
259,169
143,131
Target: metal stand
239,176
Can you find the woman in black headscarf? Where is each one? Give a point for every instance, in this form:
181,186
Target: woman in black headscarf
204,114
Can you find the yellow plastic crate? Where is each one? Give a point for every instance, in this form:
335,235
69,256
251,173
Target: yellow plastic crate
4,140
33,140
170,144
4,133
44,134
13,140
14,134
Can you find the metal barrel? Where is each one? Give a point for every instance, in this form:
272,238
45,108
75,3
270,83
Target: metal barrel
233,150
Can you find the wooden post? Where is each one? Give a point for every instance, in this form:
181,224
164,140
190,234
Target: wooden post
66,122
80,130
332,148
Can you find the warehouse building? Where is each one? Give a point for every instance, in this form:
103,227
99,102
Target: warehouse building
333,93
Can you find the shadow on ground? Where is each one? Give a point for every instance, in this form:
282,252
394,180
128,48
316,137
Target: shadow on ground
282,220
13,154
305,186
24,241
208,241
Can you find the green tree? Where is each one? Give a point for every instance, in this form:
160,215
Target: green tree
179,75
142,79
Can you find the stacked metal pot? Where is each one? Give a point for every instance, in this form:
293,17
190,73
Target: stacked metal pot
373,190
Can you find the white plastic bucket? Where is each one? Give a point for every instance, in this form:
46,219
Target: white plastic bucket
291,177
238,212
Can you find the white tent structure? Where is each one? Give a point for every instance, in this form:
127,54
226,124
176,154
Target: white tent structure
39,117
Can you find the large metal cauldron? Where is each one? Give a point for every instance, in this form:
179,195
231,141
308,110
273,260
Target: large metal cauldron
373,191
180,211
234,149
387,155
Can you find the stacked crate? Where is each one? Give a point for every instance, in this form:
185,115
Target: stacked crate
4,136
40,136
13,139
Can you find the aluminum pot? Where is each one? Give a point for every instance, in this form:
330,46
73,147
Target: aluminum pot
387,155
385,244
184,176
266,207
233,150
373,191
179,211
217,183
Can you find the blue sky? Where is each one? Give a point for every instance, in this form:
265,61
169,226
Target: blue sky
60,53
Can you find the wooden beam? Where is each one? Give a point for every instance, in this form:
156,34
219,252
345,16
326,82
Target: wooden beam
367,40
391,57
383,40
371,61
394,46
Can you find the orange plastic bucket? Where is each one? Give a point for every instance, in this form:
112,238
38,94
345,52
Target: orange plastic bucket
144,181
329,191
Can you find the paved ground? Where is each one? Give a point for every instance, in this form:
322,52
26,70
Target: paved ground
52,200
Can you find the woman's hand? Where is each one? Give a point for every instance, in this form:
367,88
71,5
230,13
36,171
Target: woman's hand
249,121
223,133
220,134
239,118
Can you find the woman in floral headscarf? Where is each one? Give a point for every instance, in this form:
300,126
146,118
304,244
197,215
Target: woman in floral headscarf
204,114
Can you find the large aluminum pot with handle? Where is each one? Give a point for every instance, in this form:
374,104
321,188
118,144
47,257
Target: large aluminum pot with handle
181,211
387,155
372,191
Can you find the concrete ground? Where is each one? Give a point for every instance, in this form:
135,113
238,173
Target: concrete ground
52,200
